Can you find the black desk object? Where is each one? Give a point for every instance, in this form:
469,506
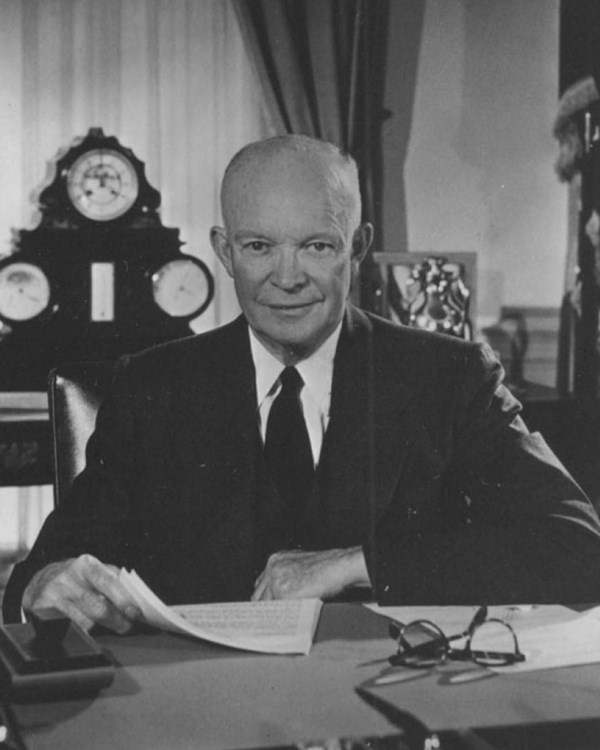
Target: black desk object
50,658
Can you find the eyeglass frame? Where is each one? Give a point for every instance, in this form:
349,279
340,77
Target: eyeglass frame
480,618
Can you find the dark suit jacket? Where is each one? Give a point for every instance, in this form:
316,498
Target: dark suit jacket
429,467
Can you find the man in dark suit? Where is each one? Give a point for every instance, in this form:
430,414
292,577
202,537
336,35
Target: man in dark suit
418,477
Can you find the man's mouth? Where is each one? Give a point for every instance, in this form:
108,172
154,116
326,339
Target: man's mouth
290,306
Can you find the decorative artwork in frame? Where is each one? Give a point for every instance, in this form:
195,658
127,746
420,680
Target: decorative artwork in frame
436,292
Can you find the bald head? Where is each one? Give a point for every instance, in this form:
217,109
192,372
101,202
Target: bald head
285,158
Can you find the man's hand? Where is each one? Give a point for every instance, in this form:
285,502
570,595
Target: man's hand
300,575
85,590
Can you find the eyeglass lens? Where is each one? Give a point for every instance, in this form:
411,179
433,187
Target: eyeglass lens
494,644
421,644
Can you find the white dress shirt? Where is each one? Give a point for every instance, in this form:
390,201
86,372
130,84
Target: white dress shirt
316,372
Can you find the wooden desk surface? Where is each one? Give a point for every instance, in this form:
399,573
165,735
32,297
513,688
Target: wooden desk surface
171,692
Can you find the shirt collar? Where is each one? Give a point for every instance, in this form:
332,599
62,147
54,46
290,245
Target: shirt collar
316,370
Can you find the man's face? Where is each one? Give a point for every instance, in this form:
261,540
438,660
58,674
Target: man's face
289,247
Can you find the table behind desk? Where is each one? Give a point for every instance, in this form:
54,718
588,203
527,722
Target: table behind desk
171,692
25,453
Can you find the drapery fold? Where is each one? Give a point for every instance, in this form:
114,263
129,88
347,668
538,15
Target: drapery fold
576,127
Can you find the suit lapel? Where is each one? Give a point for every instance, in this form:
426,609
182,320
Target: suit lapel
369,418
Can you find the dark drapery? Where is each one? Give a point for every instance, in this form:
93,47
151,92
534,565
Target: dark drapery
579,62
322,64
579,42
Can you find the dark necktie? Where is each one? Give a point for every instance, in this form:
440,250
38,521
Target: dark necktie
287,447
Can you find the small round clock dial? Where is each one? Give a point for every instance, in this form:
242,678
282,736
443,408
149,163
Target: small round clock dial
102,184
24,291
183,288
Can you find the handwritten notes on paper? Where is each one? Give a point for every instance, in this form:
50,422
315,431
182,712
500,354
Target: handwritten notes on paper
274,627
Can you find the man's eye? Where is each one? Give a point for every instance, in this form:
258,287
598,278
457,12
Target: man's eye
256,245
320,247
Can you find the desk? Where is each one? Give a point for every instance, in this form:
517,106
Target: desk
174,693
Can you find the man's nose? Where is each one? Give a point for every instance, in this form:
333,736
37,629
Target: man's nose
287,271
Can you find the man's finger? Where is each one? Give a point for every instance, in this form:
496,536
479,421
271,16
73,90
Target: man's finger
77,616
102,611
262,595
259,588
118,609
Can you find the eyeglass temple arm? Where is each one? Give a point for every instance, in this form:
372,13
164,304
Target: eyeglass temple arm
478,619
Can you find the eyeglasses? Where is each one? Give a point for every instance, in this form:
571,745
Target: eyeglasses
489,642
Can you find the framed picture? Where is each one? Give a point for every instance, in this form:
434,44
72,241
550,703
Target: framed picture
435,291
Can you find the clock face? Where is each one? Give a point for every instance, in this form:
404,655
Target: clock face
183,288
102,184
24,291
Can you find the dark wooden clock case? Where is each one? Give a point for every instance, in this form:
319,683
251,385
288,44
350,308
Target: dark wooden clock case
65,244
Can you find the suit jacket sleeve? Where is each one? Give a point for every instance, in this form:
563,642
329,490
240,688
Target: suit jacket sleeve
528,533
95,518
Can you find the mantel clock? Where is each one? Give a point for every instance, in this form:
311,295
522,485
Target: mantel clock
100,275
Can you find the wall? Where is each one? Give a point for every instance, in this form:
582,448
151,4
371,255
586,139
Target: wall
479,174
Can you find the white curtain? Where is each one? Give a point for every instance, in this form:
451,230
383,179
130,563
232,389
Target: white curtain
169,78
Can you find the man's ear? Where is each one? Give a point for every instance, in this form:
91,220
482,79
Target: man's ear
220,244
361,242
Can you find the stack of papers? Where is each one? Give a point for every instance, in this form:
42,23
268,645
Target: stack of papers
272,627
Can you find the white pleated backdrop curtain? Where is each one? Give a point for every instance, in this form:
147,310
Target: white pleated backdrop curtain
169,78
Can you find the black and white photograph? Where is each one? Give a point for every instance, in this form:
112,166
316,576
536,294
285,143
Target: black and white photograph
300,374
